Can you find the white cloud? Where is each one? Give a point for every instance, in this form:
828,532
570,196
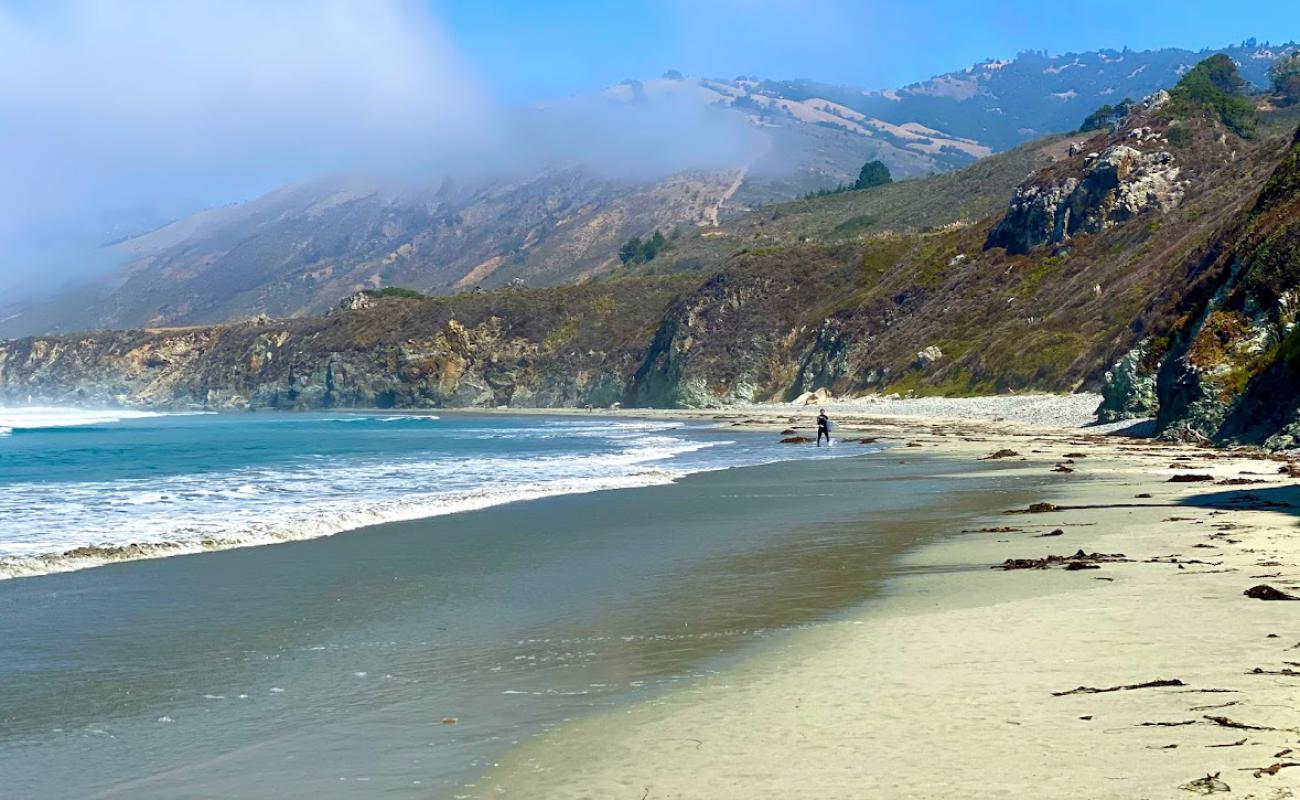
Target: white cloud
118,115
117,111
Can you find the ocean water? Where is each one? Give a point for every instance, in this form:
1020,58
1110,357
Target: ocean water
403,660
83,488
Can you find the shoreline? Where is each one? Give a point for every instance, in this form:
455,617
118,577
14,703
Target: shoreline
239,671
398,508
959,678
948,684
997,409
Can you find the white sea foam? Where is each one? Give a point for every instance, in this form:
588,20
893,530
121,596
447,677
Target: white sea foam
58,527
41,417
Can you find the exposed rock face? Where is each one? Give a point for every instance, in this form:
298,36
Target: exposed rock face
1232,374
1129,388
1119,184
393,354
356,301
928,356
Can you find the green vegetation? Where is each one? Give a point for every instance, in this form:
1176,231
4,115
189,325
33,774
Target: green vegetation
394,291
1284,185
1179,135
828,192
873,173
1107,116
1285,75
1216,86
636,251
853,226
561,336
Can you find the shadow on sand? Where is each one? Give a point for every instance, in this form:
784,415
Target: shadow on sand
1284,498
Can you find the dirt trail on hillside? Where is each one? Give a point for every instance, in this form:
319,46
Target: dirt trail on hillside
711,213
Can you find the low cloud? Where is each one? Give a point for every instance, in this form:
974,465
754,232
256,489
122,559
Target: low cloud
117,116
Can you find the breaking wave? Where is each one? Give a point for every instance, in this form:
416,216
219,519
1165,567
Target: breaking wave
31,418
200,536
58,526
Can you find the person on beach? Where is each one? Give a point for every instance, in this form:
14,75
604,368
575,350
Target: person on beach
823,428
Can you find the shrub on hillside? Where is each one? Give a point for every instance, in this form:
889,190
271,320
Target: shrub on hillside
638,251
1285,75
873,173
395,291
1107,116
1215,85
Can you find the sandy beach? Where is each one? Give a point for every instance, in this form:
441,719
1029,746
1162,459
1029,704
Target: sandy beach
1140,670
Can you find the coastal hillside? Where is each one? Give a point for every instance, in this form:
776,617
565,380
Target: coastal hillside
297,250
1149,259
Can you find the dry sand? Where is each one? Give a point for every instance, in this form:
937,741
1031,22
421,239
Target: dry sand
946,687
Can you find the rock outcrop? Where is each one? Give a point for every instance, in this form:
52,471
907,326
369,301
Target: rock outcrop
1121,173
1129,388
1233,369
1116,185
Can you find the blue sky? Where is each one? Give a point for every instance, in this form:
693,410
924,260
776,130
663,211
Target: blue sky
530,50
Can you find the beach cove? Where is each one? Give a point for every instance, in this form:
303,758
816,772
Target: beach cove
1142,670
408,657
809,628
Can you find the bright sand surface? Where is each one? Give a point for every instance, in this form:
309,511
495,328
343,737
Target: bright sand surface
945,686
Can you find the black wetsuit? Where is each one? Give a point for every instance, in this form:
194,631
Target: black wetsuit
823,429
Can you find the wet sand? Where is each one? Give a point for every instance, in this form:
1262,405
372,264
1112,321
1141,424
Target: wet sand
962,680
405,659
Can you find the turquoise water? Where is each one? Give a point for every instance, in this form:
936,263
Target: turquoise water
81,488
401,660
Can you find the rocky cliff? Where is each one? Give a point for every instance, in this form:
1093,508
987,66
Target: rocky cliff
513,347
1232,371
1182,309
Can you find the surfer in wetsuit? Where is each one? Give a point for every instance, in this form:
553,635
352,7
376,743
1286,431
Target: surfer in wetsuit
823,428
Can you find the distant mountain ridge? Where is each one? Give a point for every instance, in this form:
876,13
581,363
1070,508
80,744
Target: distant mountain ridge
1002,103
300,249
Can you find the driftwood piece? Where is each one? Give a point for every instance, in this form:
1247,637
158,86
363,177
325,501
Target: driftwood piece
1080,560
1237,743
1207,785
1284,671
1036,508
1265,592
1242,726
1189,478
1271,769
1003,453
1124,688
